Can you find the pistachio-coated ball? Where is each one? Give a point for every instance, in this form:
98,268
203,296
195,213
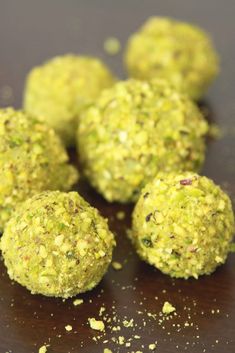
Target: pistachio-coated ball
134,130
32,159
59,90
177,51
56,244
183,225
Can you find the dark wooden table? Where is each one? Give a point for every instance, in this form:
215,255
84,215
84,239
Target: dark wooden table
31,31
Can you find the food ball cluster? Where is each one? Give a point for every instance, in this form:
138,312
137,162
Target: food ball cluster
177,51
134,130
140,140
183,225
56,244
32,159
59,90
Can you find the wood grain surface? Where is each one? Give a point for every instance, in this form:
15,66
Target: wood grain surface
32,31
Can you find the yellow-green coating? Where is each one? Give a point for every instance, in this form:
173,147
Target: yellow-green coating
59,90
56,244
135,130
32,159
183,224
178,51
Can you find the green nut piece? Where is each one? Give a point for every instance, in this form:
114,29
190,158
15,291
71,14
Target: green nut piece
58,91
32,159
56,244
183,224
135,130
176,51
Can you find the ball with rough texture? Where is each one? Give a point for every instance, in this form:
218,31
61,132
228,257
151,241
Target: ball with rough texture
180,52
135,130
56,244
183,225
59,90
32,159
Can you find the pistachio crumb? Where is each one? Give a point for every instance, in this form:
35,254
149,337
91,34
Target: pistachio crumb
68,328
112,46
102,309
77,302
42,349
107,350
117,265
168,308
96,324
152,346
121,340
232,247
120,215
129,323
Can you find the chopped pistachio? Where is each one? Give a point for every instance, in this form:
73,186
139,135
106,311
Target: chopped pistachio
121,340
232,247
42,349
102,309
117,265
128,323
96,324
168,308
112,46
120,215
68,328
77,302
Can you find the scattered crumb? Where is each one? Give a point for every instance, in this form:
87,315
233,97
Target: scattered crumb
68,328
214,131
42,349
232,247
120,215
106,350
168,308
121,340
129,323
77,302
102,310
116,265
152,346
96,324
112,46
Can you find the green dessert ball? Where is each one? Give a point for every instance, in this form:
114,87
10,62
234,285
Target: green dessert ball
32,159
183,224
56,244
177,51
59,90
135,130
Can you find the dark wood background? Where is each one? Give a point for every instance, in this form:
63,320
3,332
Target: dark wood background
31,31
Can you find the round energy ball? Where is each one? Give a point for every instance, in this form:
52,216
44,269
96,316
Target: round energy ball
176,51
134,130
59,90
183,225
56,244
32,159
